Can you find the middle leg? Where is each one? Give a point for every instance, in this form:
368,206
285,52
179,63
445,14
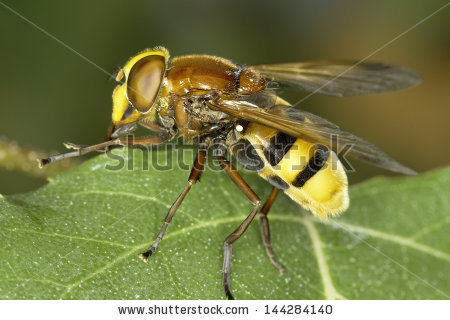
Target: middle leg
236,234
196,172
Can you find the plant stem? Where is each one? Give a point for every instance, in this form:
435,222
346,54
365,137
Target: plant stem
14,157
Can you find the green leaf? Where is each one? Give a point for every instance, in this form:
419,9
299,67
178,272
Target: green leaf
79,238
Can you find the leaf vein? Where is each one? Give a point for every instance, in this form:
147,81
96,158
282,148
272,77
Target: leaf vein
330,291
71,237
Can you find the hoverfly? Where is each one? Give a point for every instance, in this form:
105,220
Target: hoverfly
216,104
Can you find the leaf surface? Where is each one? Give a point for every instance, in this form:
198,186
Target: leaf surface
79,238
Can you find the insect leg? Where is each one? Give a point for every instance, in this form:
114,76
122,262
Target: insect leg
81,150
265,229
196,171
245,188
111,129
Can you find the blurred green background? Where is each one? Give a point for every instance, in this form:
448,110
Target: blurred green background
50,95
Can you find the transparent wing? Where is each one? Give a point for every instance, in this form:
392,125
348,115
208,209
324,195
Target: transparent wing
311,128
340,78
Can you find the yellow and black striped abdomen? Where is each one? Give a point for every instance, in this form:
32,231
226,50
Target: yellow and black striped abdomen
310,174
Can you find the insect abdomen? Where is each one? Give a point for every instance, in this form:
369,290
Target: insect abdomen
310,174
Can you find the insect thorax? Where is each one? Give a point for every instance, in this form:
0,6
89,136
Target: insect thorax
192,119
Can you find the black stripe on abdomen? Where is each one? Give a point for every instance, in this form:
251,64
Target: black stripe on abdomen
313,166
278,146
245,153
278,182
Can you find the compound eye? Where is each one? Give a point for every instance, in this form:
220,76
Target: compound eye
144,81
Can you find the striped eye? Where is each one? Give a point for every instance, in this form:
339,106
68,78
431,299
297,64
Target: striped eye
144,81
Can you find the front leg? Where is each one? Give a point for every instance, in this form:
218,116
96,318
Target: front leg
125,141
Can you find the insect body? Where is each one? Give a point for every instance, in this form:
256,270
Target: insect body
219,105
